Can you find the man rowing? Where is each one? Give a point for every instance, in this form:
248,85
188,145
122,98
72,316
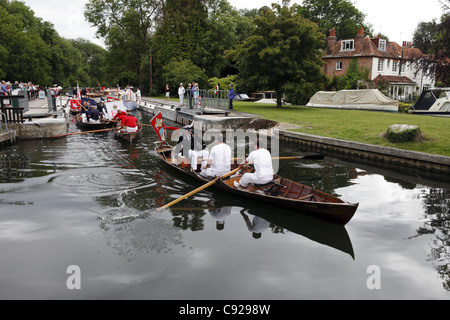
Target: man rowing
93,115
262,161
130,124
220,157
191,144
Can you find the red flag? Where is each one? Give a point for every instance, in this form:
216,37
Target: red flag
111,99
158,125
75,104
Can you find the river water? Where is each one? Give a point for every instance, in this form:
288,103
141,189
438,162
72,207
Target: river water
89,201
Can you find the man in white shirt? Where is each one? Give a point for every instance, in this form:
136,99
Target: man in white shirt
262,160
181,92
221,160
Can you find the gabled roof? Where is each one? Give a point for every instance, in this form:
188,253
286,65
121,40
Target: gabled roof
368,47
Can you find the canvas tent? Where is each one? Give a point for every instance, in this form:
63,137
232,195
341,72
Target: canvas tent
370,99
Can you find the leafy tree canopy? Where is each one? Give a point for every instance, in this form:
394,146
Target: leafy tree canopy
282,54
341,15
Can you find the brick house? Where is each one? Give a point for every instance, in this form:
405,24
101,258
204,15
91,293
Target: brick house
385,60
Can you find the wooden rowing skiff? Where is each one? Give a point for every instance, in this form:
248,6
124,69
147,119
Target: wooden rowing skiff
90,126
281,192
126,136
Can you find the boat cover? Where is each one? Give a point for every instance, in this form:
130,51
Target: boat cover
349,98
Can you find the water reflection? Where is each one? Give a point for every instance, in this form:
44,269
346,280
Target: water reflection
436,203
52,189
259,220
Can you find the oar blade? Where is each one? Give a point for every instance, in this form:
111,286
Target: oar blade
313,157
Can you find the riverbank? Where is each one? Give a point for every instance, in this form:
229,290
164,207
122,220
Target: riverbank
357,126
288,132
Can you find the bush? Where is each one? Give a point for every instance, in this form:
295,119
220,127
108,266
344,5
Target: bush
404,107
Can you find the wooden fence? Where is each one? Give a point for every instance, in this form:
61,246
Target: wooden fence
13,115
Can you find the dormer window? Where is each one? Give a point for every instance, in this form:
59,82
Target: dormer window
348,45
382,45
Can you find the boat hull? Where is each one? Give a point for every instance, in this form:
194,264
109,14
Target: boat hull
90,126
334,210
128,137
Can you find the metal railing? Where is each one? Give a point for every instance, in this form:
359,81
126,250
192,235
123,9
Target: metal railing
216,99
3,116
13,115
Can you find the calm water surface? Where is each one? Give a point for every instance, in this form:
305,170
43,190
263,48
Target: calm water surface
90,201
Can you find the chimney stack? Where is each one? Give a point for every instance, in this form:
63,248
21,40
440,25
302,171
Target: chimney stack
361,32
332,40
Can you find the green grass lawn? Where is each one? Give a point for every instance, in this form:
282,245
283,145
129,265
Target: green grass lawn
360,126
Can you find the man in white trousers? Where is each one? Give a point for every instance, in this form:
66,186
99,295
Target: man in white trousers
220,156
262,161
181,92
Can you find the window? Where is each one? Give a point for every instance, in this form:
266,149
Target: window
395,66
380,65
348,45
339,65
382,45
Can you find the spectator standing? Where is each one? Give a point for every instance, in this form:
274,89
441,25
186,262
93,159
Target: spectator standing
167,92
138,96
181,92
189,95
231,96
196,94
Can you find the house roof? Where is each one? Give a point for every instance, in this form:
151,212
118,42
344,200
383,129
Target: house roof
395,79
368,47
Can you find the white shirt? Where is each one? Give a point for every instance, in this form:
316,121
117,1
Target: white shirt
262,160
221,157
259,225
181,91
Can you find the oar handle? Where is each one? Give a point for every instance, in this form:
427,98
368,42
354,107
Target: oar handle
83,132
199,189
307,157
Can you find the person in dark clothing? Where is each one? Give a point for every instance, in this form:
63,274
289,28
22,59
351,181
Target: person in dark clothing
231,95
93,115
196,148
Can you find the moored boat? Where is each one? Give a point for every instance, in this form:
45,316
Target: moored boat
433,102
281,192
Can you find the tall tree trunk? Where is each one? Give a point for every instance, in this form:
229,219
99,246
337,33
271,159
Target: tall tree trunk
279,96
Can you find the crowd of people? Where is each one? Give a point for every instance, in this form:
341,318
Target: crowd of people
7,88
192,93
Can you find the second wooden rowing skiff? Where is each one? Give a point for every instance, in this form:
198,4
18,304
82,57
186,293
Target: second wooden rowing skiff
282,193
128,136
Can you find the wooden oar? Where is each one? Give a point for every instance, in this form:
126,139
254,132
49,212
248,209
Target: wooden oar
307,157
83,132
199,189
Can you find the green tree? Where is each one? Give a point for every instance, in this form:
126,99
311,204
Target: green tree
424,36
226,27
25,56
183,71
435,63
126,26
282,54
341,15
350,80
179,34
